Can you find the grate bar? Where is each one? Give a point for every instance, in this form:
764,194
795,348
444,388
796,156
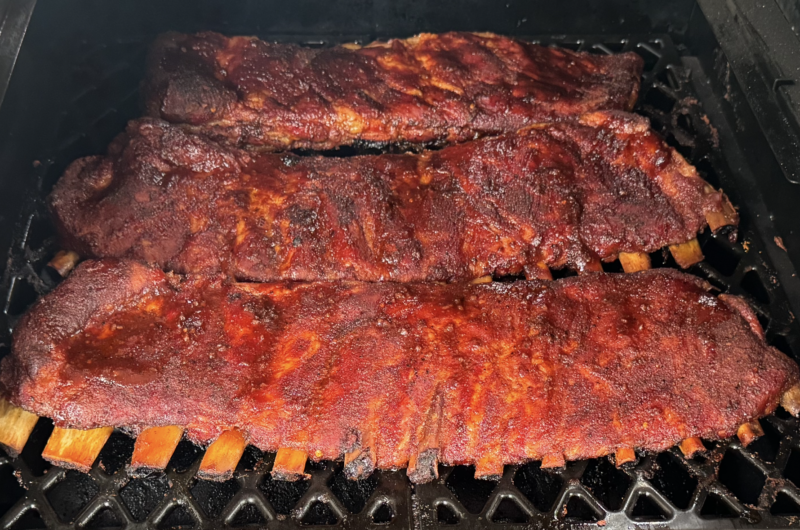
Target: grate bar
718,488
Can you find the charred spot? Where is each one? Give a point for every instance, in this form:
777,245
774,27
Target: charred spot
262,309
300,216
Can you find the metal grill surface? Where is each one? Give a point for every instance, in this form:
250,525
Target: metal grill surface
729,487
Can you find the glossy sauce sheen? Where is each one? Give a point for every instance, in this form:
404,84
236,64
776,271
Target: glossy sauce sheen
440,88
491,374
562,194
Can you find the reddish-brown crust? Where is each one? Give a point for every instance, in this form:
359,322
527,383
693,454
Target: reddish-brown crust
563,194
449,87
501,373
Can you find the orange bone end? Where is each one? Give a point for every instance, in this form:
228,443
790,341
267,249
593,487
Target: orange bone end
691,447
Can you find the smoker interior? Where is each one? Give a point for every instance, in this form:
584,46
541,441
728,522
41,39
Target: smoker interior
76,84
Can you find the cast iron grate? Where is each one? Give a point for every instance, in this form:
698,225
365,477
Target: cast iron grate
730,485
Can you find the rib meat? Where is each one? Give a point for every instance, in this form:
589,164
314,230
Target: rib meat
427,89
555,195
487,374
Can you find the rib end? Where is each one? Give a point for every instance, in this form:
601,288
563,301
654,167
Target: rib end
74,448
691,447
290,465
634,261
791,400
359,464
687,254
490,468
222,456
553,461
16,426
424,467
748,432
624,455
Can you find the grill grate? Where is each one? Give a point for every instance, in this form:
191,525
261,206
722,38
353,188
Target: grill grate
728,487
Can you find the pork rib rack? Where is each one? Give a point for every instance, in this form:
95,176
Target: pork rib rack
400,375
565,194
441,88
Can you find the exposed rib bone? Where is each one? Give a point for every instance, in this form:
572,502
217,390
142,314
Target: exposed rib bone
222,455
154,448
717,219
687,254
791,400
360,462
482,279
84,215
423,467
624,455
692,446
489,468
403,405
595,265
290,464
64,261
16,426
749,431
553,461
539,272
74,448
634,261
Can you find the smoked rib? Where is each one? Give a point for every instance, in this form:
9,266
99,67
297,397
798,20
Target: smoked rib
487,374
427,89
557,195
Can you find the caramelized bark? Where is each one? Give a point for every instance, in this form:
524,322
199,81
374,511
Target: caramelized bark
487,374
427,89
564,194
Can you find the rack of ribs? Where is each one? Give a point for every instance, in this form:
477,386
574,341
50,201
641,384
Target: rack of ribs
395,375
428,89
566,194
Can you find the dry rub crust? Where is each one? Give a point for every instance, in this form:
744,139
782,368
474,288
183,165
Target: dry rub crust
494,373
441,88
559,194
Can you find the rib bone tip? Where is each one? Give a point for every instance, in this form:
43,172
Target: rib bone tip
634,261
359,463
748,432
154,448
624,455
489,469
687,254
423,467
540,271
63,262
593,265
725,215
75,448
16,426
222,456
791,400
553,461
691,447
290,465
